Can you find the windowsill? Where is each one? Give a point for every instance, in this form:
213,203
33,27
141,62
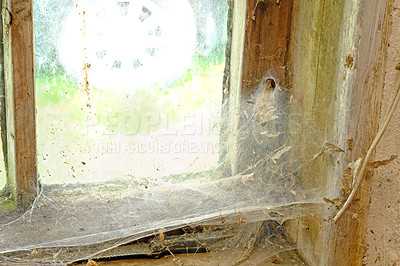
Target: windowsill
111,214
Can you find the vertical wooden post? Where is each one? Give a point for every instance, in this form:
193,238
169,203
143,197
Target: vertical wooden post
265,59
267,37
3,128
363,124
260,42
20,99
336,59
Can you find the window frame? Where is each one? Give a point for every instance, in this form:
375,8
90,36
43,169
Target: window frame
22,181
19,79
17,17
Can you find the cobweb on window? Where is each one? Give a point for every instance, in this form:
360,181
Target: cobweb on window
74,222
160,163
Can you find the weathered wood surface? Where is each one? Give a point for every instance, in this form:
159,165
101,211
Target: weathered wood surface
365,105
313,48
20,99
3,127
337,80
266,44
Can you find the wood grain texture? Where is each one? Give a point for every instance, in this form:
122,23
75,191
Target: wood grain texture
315,56
266,43
20,99
366,101
3,127
264,55
337,80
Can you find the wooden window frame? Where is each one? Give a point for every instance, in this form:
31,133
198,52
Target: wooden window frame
252,40
19,79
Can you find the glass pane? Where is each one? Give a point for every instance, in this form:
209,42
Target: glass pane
125,90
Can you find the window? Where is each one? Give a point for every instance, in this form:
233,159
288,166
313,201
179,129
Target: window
126,91
142,135
150,138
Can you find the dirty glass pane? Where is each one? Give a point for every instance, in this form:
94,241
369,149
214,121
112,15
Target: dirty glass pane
128,89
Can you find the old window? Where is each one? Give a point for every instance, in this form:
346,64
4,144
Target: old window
168,126
146,126
126,91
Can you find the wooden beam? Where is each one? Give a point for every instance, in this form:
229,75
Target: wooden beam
337,88
266,43
3,127
319,98
20,99
263,55
366,101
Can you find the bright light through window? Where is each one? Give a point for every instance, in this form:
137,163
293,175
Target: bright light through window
128,89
